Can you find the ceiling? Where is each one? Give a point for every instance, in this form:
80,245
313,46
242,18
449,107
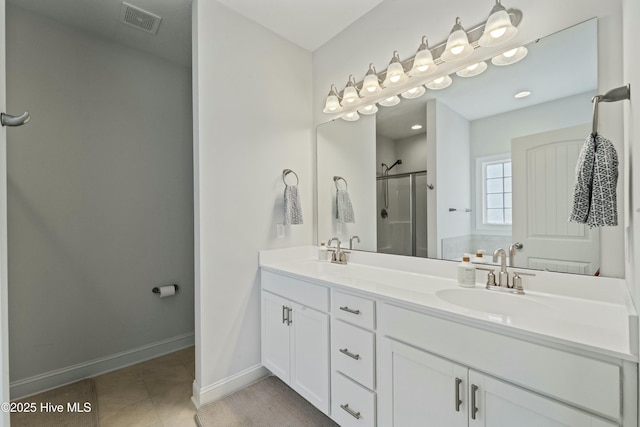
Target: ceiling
307,23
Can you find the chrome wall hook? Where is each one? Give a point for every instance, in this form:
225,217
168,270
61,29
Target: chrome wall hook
9,120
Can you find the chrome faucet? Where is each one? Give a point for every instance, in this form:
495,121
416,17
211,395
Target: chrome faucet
338,256
351,241
503,276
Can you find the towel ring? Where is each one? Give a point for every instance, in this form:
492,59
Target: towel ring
338,178
287,172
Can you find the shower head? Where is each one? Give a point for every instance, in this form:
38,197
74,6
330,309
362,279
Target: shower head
398,162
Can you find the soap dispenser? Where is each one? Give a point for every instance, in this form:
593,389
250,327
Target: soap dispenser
323,252
466,272
480,259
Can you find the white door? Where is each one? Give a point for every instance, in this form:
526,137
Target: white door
310,355
500,404
543,169
275,335
420,389
4,330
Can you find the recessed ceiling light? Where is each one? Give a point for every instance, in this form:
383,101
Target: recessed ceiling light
522,94
416,127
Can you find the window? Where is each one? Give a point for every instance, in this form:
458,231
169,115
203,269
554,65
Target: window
496,192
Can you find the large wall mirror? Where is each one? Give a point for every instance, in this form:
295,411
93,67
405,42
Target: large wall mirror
472,168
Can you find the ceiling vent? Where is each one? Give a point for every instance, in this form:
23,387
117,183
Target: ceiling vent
139,18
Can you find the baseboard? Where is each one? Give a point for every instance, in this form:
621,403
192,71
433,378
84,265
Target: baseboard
226,386
91,368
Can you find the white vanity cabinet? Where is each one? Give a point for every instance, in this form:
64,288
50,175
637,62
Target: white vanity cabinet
421,385
418,389
295,335
500,404
430,390
372,354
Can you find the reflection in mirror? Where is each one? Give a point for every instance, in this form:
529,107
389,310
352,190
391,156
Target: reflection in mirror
486,170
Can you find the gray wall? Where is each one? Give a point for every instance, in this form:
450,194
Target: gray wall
100,197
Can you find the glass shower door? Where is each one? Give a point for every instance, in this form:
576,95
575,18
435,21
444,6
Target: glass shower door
402,214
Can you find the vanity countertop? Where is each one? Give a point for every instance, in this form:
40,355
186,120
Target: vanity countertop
582,313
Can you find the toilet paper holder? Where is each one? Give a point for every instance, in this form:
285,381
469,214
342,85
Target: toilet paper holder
156,290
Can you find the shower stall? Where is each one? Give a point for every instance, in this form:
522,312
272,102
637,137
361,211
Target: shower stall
401,201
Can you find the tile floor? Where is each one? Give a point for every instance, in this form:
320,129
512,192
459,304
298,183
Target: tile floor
155,393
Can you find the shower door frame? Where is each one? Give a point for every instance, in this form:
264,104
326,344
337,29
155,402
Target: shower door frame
412,198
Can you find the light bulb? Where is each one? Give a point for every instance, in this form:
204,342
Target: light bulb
351,116
498,28
390,101
413,93
423,61
458,46
497,33
473,70
332,104
395,72
510,57
457,50
368,110
439,83
350,94
371,83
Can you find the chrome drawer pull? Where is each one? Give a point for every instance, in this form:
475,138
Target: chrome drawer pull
348,353
350,310
350,411
458,401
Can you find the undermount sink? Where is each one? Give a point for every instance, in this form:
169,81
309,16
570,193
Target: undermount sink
493,302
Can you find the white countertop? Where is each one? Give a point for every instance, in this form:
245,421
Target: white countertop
584,313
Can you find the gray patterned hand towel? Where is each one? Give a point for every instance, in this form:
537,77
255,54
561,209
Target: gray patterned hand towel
594,195
344,209
292,206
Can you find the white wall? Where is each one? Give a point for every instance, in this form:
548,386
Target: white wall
453,181
100,210
413,152
631,35
252,113
348,150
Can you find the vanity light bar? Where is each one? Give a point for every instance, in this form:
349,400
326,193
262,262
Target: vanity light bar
474,34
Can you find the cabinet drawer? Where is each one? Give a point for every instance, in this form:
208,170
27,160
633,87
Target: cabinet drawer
354,353
357,310
305,293
352,405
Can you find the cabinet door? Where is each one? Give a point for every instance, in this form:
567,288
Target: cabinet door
310,355
275,335
420,389
500,404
